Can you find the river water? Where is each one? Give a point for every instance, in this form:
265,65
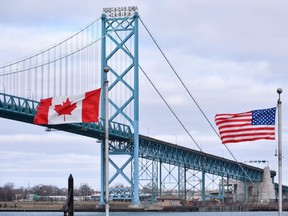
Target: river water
145,214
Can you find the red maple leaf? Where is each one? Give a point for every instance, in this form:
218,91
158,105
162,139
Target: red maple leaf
65,109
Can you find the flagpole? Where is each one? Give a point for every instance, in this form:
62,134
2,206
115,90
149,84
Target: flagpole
106,70
279,106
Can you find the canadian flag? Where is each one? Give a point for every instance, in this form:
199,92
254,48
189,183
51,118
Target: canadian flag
69,109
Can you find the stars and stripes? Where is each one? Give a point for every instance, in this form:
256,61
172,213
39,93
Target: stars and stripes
247,126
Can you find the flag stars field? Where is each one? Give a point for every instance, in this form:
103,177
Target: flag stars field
247,126
263,117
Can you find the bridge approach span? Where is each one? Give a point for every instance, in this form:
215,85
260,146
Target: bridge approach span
24,110
165,152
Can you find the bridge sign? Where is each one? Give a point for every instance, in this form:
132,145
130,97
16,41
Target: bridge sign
120,11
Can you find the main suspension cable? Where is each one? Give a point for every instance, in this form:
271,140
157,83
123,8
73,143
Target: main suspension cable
161,96
187,90
169,107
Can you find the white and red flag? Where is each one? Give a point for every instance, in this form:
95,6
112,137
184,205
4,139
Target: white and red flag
69,109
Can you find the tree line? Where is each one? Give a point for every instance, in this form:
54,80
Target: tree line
9,193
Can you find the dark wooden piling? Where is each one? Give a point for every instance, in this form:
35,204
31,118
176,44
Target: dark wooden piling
69,206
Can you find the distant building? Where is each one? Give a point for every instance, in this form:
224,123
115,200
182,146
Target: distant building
168,200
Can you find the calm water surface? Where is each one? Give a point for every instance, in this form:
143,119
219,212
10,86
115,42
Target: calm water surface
145,213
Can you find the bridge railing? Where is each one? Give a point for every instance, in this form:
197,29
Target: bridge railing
23,109
18,104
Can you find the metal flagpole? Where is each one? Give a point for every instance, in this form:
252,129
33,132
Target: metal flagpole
279,107
106,70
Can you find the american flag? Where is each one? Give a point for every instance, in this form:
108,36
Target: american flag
247,126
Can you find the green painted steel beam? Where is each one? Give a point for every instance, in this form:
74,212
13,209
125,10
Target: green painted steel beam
191,159
24,110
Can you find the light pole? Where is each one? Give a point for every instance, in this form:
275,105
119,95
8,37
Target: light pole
106,70
279,106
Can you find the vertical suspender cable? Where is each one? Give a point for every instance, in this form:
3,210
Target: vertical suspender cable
71,69
29,75
23,80
48,76
54,73
78,80
87,60
18,80
67,78
61,71
88,57
35,80
81,62
9,81
42,77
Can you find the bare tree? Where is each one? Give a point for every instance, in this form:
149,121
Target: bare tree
6,192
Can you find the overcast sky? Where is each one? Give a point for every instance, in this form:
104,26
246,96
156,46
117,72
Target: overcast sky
232,55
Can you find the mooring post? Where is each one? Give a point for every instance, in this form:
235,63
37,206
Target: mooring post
71,195
69,205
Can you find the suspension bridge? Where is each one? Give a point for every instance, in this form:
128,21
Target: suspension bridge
76,65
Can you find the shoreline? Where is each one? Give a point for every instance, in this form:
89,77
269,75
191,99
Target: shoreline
125,207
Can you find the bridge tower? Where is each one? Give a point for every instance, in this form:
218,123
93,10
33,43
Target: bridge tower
120,54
